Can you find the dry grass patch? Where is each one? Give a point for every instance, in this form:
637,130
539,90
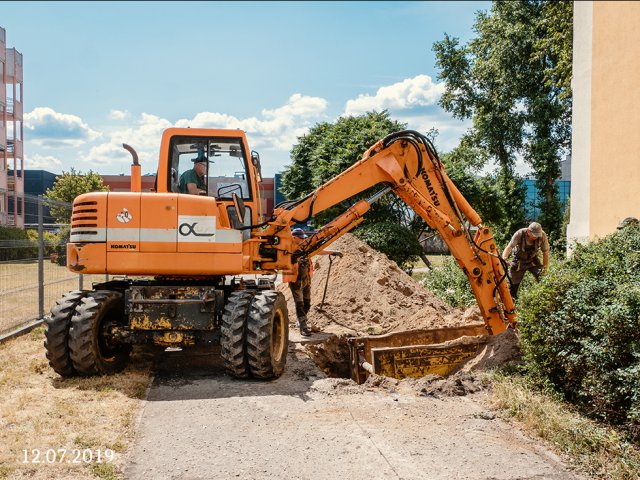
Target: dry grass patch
598,450
41,410
19,289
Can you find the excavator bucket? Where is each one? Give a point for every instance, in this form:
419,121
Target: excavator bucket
415,353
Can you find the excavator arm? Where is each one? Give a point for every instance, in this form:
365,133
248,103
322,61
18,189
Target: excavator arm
406,164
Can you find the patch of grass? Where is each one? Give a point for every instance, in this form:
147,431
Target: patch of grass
37,333
41,410
5,472
118,447
449,283
83,442
599,451
104,471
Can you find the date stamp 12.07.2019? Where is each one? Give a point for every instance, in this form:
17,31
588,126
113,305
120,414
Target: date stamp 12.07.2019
70,456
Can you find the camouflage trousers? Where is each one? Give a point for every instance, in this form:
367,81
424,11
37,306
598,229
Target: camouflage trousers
301,292
516,274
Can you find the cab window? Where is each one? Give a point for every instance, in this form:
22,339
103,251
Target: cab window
226,166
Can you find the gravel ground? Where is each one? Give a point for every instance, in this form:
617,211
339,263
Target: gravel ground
199,423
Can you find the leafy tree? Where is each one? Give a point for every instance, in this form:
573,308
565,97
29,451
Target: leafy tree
67,187
512,81
329,149
555,40
482,191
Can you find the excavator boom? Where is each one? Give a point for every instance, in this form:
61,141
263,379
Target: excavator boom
407,164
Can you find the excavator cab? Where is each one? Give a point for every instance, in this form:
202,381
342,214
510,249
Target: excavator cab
226,165
231,176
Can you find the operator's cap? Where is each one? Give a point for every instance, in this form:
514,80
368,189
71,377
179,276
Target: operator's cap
298,232
536,229
200,160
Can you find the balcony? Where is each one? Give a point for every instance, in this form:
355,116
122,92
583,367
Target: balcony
14,149
14,66
14,111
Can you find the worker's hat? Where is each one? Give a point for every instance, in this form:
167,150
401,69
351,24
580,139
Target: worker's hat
200,160
536,229
298,232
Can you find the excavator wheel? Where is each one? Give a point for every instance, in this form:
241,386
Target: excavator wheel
234,333
92,353
56,334
267,335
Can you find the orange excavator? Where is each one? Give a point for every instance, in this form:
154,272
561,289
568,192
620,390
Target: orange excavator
180,261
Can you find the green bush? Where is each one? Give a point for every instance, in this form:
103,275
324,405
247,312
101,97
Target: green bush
50,241
395,241
63,238
15,244
580,328
449,283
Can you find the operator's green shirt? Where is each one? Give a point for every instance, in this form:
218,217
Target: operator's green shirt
190,176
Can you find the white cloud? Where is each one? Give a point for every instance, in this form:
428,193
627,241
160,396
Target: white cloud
118,114
144,138
272,131
298,106
449,129
47,127
277,129
42,162
413,92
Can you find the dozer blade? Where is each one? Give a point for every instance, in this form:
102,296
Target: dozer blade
415,353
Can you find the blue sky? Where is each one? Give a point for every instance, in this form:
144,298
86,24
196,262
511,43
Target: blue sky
99,74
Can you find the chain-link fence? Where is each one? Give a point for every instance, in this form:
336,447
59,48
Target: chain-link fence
33,272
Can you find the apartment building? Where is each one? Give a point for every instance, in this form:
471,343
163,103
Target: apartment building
605,158
11,135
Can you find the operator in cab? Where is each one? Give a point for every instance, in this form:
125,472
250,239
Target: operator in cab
192,181
300,282
526,243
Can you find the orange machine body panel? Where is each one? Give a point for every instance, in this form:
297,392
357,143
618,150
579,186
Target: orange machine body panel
155,234
165,232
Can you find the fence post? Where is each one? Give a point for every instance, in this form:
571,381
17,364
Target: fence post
40,259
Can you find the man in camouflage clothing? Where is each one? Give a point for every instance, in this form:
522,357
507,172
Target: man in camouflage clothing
526,243
300,283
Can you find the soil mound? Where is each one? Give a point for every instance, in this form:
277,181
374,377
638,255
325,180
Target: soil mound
368,294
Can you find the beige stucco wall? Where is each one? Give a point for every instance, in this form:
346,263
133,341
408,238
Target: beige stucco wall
615,115
606,125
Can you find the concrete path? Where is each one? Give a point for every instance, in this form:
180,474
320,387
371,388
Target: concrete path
199,423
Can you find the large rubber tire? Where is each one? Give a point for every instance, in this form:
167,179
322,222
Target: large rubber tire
56,333
91,351
234,333
267,335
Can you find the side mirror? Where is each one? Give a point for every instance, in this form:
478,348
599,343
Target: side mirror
238,204
255,160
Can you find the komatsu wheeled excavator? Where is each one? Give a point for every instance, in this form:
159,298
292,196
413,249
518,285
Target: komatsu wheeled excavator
180,261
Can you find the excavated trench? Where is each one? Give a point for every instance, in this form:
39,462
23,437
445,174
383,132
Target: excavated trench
368,294
331,356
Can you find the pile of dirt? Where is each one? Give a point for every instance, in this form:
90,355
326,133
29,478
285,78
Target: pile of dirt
368,294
